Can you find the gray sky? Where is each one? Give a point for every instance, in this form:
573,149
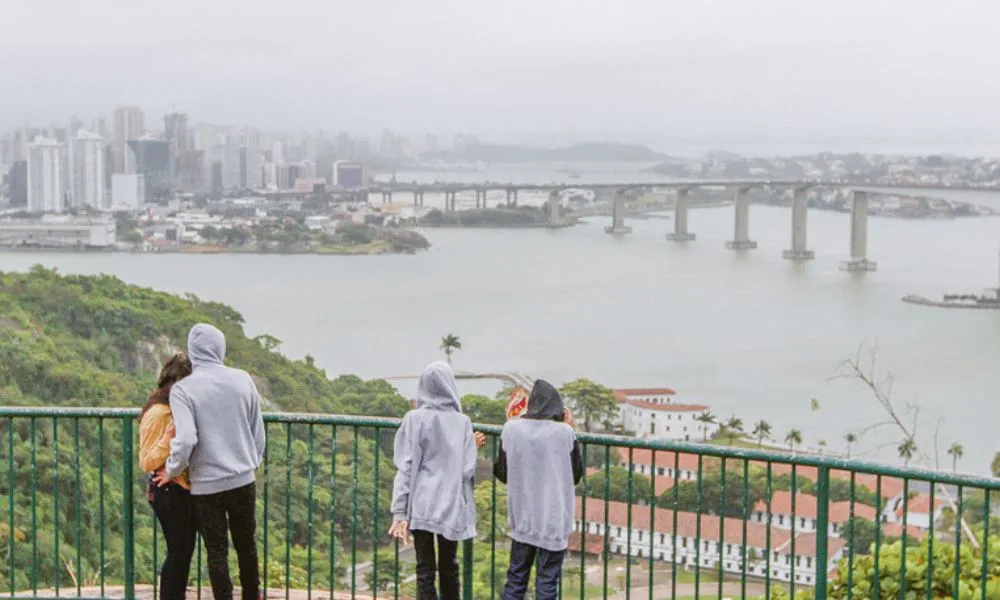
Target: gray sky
793,69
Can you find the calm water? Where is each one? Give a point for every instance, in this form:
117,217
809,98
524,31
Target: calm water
747,333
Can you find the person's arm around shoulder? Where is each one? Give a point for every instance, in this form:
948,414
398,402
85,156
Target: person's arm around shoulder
185,436
257,421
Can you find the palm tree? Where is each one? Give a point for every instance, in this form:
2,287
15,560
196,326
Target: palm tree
956,452
761,431
449,344
907,448
734,427
851,439
706,418
793,439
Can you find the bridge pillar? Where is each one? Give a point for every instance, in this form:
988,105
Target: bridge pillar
508,196
416,198
681,233
555,216
800,206
859,235
618,217
477,199
421,198
515,197
741,235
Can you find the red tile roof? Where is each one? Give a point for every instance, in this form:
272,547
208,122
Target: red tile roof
921,504
626,392
666,407
805,545
807,507
895,530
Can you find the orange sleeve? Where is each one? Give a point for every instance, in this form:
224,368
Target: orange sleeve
154,444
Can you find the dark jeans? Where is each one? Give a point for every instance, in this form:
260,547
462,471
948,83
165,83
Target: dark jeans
173,509
217,516
546,580
445,566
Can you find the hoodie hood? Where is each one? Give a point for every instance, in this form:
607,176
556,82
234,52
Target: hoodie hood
437,389
544,403
206,346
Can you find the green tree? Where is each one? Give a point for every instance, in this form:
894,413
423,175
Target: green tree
718,496
761,431
706,419
793,438
486,506
733,429
956,452
134,237
449,344
482,409
907,448
592,403
995,465
618,488
850,439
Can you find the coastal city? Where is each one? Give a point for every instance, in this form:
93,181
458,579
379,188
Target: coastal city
178,186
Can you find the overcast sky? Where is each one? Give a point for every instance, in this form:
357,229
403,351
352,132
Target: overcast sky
718,69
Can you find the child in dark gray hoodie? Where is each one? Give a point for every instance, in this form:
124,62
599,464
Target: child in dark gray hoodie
540,462
435,456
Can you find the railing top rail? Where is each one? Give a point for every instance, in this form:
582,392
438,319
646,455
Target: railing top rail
727,452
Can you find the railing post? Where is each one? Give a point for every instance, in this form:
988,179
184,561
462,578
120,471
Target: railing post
822,529
128,501
467,570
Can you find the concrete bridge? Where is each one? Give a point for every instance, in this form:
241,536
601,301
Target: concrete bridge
799,250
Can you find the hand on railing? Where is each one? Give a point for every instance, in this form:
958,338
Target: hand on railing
400,530
480,440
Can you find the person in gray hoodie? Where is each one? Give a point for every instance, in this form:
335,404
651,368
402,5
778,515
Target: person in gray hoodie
539,460
435,456
220,439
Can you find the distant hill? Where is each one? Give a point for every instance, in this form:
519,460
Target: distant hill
589,152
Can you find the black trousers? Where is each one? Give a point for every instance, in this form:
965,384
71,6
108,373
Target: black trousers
522,557
445,566
172,507
218,515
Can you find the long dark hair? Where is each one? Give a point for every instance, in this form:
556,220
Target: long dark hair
176,368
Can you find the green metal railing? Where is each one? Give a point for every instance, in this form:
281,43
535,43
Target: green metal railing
654,519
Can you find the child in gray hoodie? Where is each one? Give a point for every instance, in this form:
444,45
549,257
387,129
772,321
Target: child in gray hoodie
435,456
540,462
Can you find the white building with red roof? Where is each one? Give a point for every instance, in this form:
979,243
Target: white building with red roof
654,413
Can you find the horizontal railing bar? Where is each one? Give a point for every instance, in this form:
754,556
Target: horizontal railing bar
728,452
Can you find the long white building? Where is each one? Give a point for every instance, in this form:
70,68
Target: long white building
45,176
654,413
87,171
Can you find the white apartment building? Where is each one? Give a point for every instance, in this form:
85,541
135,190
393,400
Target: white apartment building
128,192
689,540
59,231
805,512
87,171
45,176
653,413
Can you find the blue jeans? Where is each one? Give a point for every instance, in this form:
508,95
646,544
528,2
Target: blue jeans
546,579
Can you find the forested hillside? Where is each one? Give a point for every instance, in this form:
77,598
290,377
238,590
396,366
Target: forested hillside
96,341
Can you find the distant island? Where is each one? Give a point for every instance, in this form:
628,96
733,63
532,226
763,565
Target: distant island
499,218
589,152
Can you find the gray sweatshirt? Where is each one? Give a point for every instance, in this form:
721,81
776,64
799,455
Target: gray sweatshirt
540,462
216,409
435,456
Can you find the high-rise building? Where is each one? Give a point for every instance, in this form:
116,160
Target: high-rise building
191,170
228,156
128,192
17,181
251,169
45,174
175,131
129,125
349,175
87,171
152,160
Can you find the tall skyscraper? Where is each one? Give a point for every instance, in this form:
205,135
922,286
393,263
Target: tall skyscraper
18,180
175,131
45,173
129,125
152,158
87,170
